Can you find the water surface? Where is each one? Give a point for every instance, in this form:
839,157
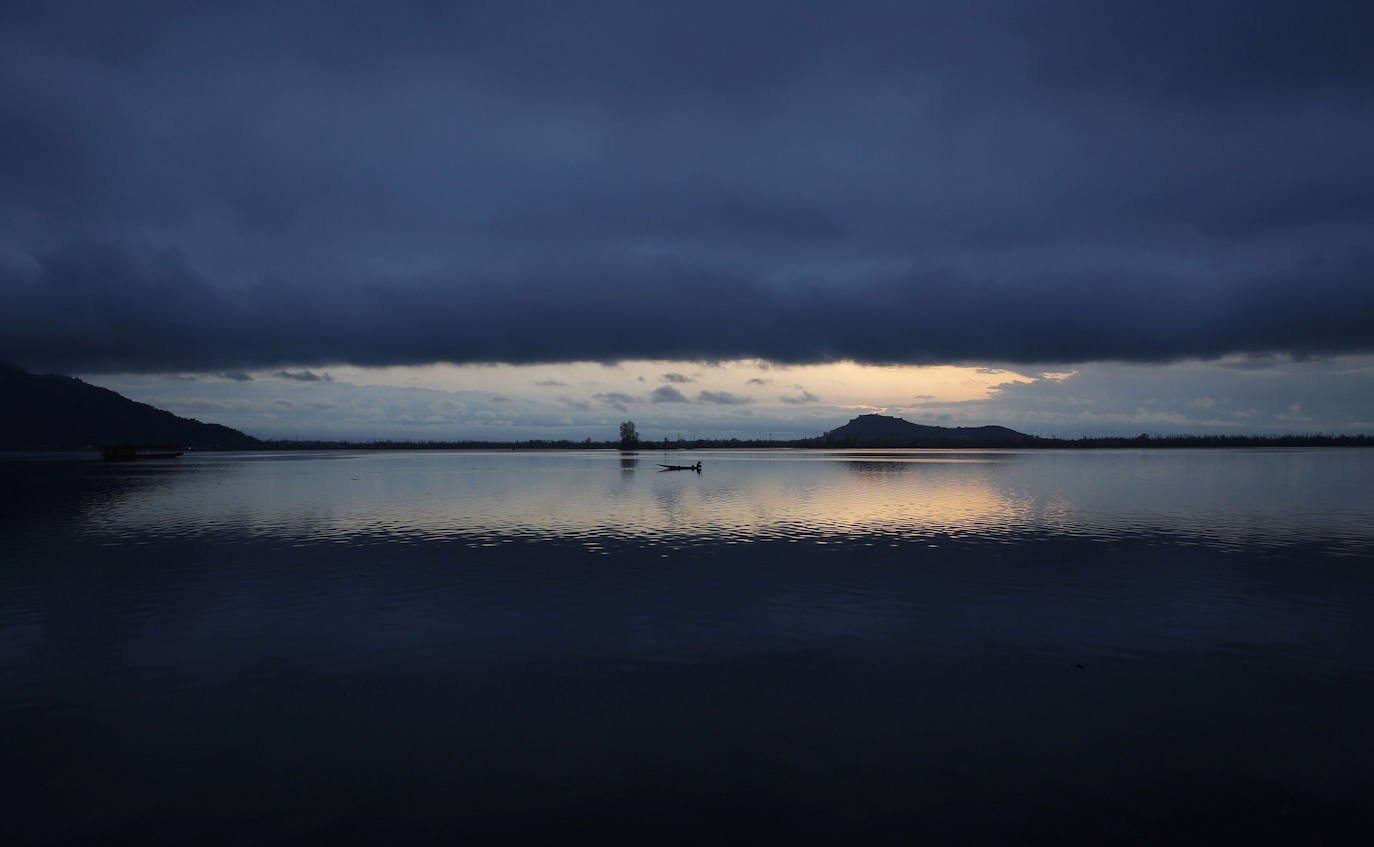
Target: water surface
968,646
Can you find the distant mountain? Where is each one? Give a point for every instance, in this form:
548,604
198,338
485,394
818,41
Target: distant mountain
52,412
887,431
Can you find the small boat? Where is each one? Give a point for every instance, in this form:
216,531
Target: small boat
130,452
696,467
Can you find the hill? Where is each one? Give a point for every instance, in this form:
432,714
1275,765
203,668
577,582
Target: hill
51,412
887,431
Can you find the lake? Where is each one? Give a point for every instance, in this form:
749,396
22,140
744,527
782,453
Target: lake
973,647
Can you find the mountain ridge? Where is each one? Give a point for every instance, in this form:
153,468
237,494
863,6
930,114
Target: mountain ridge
55,412
886,431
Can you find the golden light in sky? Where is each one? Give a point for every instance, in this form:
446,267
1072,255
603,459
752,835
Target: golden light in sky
862,388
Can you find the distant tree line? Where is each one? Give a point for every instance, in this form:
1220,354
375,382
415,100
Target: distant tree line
821,442
1104,442
1144,440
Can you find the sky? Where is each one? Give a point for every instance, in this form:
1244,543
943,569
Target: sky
518,219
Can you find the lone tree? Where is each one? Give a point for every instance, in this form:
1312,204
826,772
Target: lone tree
628,437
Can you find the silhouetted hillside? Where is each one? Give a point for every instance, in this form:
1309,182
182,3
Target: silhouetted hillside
887,431
52,412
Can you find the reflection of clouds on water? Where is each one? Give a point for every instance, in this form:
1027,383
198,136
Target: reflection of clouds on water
1230,498
864,616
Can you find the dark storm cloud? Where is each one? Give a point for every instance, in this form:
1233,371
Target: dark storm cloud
221,189
304,376
724,398
667,394
236,376
678,378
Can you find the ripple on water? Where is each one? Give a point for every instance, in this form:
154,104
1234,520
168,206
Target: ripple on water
1250,502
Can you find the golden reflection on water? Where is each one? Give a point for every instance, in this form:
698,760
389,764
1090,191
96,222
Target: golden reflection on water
739,497
571,495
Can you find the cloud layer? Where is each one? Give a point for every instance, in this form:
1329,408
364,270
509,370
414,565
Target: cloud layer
1233,395
885,182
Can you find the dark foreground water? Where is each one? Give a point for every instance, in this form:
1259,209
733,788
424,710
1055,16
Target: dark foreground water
916,646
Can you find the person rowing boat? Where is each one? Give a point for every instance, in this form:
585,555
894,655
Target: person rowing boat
696,467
